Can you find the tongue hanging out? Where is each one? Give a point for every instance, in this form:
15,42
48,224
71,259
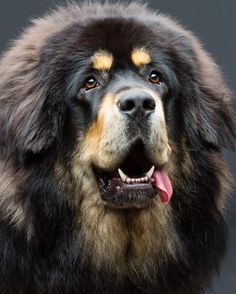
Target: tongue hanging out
119,190
163,184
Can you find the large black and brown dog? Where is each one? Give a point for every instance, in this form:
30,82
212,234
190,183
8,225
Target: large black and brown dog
106,112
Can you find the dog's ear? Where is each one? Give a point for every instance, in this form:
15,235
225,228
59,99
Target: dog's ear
33,125
209,104
29,125
28,121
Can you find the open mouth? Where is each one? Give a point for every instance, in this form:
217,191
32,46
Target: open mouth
135,183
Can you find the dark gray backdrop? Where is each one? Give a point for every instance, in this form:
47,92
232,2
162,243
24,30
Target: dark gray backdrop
214,22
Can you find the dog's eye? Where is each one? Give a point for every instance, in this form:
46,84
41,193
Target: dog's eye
154,77
90,83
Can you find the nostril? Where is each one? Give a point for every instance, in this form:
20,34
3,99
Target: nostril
149,104
127,105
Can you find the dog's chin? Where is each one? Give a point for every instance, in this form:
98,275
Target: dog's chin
130,184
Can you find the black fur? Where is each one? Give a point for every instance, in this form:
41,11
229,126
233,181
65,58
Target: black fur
198,106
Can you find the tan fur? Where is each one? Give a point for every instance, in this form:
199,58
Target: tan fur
225,179
158,144
179,157
102,60
118,240
140,57
12,207
128,243
100,145
121,241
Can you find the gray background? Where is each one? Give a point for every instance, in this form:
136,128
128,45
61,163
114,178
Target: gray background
213,21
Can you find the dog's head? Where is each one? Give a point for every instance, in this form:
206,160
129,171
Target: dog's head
130,88
120,106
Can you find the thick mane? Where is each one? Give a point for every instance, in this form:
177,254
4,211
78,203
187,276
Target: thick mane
57,234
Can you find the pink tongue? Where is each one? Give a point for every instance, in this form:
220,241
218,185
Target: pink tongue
163,184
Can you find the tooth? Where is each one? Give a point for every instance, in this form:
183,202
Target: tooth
122,175
150,172
146,179
128,180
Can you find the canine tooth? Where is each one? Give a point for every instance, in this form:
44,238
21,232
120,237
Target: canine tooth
150,172
122,175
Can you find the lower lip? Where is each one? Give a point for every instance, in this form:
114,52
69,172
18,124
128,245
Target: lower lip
123,195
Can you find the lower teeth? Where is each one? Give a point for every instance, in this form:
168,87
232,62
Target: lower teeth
139,180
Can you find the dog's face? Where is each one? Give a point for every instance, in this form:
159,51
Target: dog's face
125,138
121,113
117,90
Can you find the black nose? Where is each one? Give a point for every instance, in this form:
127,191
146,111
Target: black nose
137,104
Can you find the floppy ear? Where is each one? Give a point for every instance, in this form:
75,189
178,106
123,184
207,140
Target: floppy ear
30,125
27,120
209,106
33,126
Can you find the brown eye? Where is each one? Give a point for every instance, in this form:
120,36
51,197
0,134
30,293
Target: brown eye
154,77
90,83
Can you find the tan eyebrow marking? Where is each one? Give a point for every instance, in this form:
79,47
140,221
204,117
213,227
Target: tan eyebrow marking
102,60
140,57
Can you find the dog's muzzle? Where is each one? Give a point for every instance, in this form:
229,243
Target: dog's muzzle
133,148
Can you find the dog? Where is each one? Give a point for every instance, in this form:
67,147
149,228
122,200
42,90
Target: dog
112,122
